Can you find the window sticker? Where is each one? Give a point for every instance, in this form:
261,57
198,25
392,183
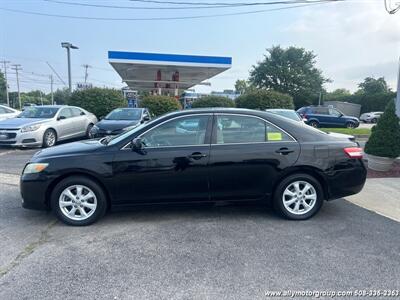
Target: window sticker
274,136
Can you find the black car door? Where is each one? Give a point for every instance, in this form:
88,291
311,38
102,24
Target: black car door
172,167
247,154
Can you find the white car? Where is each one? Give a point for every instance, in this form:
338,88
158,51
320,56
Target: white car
8,112
371,117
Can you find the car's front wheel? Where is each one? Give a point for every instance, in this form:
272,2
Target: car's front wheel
89,133
298,197
49,138
78,201
313,124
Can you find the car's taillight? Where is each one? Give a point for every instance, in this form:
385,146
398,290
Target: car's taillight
354,152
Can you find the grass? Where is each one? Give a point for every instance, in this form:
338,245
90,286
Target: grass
354,131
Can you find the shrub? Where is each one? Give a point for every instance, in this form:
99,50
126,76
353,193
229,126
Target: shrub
159,105
385,137
264,99
98,101
213,101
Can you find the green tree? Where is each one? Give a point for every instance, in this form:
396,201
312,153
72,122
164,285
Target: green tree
3,97
337,95
159,105
213,101
61,96
241,86
99,101
265,99
385,138
371,85
292,71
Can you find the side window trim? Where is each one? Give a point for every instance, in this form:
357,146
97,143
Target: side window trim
214,131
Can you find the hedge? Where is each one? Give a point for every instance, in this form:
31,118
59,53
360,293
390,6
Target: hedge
159,105
264,99
213,101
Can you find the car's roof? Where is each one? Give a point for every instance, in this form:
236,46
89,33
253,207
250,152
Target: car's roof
279,109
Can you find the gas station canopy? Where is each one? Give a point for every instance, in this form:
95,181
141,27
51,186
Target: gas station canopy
166,73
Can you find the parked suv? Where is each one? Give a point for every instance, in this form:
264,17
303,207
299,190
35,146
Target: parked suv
371,117
322,116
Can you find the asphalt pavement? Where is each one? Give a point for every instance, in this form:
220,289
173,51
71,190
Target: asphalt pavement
190,251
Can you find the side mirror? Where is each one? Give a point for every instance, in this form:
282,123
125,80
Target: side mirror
146,118
61,118
137,144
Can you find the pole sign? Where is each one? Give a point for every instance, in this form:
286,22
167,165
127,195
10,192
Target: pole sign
131,98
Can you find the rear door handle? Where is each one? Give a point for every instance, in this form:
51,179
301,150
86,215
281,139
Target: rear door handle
197,155
284,151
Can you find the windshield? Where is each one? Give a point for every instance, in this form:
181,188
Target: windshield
130,114
39,112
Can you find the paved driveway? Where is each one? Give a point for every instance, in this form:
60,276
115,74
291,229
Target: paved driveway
193,252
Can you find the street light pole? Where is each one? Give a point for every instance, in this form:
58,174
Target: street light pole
69,46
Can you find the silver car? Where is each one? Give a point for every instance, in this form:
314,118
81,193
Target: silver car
46,125
371,117
8,112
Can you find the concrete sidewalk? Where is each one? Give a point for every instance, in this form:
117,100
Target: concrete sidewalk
381,195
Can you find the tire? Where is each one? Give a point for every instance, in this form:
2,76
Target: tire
94,205
88,134
49,138
350,125
374,121
313,197
313,124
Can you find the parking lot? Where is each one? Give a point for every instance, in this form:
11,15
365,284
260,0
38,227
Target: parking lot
189,252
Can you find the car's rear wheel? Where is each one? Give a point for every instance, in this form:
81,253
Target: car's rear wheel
350,125
49,138
298,197
78,201
374,120
313,124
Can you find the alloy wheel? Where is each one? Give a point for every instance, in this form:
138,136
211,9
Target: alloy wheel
50,138
299,197
77,202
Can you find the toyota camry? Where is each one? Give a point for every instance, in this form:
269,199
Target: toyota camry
200,155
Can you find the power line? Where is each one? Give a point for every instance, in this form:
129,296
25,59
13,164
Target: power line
55,72
203,5
168,18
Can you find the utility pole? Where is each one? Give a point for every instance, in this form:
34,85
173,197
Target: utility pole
319,98
51,89
69,46
86,71
17,67
5,62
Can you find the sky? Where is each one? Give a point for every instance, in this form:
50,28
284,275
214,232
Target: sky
352,39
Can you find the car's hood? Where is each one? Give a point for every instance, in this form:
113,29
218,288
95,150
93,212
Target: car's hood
116,124
80,147
351,117
20,122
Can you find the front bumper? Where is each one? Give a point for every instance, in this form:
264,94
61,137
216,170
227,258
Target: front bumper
34,189
14,137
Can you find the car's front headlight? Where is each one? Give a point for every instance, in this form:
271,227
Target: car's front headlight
94,128
30,128
33,168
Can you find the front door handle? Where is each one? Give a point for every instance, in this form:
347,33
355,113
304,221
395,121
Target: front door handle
284,151
197,155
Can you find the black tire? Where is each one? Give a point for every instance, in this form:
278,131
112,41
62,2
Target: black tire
88,134
49,138
350,125
278,197
374,121
314,124
101,198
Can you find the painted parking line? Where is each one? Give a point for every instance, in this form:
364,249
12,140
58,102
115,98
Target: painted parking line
10,179
7,152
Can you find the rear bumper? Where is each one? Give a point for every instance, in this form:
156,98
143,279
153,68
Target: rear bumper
347,181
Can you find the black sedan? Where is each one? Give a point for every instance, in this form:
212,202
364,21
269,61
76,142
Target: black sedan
119,120
205,155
